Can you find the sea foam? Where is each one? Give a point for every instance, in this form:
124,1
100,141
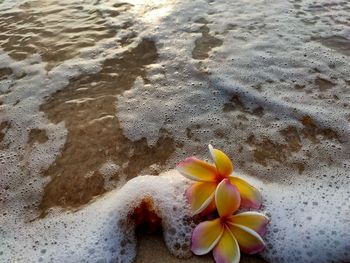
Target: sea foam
265,81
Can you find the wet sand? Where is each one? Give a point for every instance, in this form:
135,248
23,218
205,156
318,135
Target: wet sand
93,95
151,249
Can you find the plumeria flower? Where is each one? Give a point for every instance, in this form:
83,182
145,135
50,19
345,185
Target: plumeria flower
208,176
229,234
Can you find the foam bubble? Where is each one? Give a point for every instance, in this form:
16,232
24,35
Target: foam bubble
103,230
301,223
268,87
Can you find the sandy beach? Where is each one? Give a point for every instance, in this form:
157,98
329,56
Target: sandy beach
100,100
152,249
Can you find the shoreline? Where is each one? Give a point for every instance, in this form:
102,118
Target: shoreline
151,249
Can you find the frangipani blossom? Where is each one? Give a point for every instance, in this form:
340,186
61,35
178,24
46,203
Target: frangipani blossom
208,176
229,234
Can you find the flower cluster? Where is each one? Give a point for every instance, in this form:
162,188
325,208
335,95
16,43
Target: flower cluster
216,188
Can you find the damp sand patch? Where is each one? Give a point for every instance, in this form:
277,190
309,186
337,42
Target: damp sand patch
87,108
56,32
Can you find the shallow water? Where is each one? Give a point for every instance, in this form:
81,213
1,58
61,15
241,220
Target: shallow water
95,93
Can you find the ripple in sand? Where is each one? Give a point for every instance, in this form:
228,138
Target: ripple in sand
53,30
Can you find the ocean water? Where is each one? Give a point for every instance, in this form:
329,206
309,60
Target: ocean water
100,99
